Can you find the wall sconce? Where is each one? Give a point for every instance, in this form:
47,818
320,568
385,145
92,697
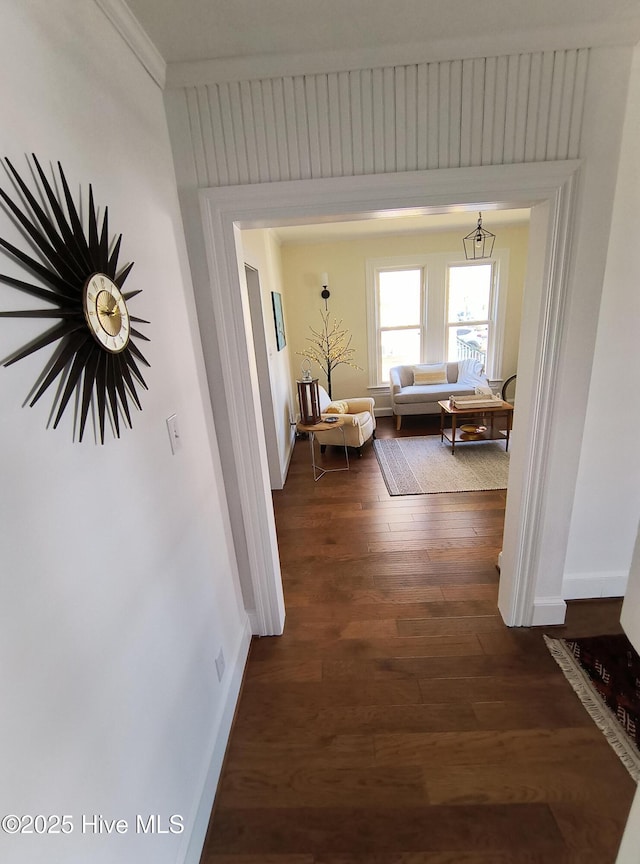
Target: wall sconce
325,293
479,243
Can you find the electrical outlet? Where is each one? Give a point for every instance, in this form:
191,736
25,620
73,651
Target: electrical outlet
220,665
174,434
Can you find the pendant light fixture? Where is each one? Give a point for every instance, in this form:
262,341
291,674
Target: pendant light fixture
479,243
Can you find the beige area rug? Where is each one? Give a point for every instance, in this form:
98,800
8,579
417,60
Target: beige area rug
424,465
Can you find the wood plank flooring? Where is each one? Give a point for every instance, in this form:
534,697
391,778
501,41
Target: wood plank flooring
397,720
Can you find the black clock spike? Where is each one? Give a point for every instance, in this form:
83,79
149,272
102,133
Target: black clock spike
74,220
43,313
103,253
74,249
47,275
88,380
137,320
138,353
63,329
60,362
112,393
112,264
139,335
48,241
35,290
131,363
119,365
94,247
120,278
128,380
74,375
129,294
101,392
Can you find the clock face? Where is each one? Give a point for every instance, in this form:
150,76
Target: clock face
106,313
78,278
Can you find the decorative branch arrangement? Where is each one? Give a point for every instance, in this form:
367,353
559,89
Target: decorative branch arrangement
330,347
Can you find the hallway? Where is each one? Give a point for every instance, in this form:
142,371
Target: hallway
397,720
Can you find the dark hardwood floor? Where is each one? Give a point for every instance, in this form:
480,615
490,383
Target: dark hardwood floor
397,720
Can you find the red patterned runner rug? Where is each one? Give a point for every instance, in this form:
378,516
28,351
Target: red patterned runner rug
604,671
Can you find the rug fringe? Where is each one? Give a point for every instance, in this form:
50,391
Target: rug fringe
595,705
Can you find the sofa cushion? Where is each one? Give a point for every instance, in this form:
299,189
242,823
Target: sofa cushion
431,393
338,406
435,373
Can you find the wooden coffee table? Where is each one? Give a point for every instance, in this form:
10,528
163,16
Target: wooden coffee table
491,433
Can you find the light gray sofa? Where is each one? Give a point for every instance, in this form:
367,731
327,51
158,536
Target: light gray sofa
408,398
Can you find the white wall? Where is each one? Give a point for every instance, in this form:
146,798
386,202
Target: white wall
262,252
607,498
118,580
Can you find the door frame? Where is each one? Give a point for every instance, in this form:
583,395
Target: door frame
550,188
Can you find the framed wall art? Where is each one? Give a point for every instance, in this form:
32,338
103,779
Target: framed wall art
278,319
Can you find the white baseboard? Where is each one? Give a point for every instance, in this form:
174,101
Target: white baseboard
195,842
548,610
583,586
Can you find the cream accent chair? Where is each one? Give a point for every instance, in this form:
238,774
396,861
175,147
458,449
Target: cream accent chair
359,422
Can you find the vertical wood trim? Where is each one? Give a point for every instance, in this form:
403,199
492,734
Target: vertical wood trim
571,59
522,107
207,137
378,121
544,105
533,108
195,128
578,103
289,108
500,111
238,131
433,114
302,129
272,155
455,115
466,114
411,115
389,114
422,107
555,106
261,131
346,138
444,108
445,114
357,121
400,119
508,153
477,110
368,121
489,105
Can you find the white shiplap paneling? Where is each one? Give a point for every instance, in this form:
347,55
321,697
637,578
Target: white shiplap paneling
448,114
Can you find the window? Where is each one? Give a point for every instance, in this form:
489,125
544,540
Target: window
400,318
430,308
469,324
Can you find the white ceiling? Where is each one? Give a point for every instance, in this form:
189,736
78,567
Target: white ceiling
196,30
464,222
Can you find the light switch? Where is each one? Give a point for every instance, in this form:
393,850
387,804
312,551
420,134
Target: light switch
174,434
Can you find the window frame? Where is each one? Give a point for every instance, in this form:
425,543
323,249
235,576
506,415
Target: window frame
434,325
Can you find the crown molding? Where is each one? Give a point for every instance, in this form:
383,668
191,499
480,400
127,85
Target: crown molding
582,35
136,38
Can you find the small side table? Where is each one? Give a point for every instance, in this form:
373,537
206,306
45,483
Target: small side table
311,430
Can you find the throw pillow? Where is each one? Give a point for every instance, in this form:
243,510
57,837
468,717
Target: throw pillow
337,407
433,374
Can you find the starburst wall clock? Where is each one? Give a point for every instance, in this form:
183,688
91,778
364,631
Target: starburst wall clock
96,357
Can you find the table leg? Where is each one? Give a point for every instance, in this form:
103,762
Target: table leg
453,433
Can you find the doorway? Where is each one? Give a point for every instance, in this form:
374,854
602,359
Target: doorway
548,189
